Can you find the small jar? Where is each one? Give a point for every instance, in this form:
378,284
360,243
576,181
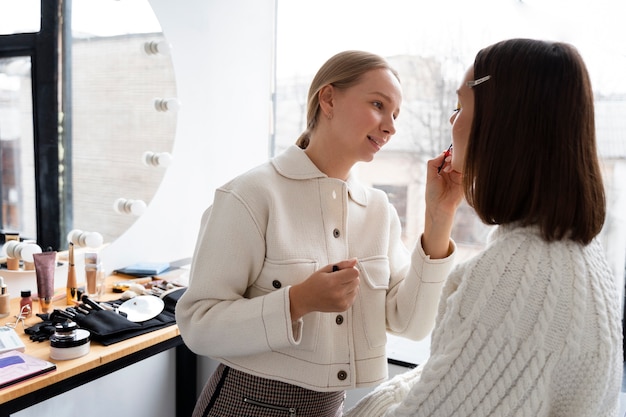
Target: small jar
68,341
26,304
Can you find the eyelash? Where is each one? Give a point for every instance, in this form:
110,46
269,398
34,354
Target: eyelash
379,105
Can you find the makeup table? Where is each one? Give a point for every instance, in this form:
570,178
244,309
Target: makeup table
100,361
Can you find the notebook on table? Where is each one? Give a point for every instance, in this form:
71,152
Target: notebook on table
16,366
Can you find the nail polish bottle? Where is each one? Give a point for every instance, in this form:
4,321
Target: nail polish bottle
26,304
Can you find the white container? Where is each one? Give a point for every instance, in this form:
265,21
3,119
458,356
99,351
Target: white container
69,342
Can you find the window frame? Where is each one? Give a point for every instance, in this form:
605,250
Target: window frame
43,49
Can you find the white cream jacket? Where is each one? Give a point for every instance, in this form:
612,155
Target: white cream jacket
271,228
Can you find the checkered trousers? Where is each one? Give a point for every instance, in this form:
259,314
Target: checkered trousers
232,393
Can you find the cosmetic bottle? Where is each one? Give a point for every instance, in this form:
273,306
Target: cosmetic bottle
5,306
94,276
26,304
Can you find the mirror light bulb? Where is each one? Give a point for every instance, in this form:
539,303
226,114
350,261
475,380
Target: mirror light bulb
22,250
163,159
167,104
85,239
157,48
125,206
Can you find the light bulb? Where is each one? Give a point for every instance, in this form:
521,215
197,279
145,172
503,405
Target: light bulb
163,159
157,48
85,239
167,104
22,250
28,250
125,206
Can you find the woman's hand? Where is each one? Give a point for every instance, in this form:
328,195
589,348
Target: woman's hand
444,193
326,290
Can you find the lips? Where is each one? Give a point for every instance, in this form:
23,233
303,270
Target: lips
379,143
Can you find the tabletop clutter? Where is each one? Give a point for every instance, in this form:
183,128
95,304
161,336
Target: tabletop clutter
136,304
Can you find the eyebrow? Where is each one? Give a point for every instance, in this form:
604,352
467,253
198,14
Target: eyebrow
383,95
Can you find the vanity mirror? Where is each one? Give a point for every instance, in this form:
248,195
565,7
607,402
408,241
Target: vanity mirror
115,81
122,75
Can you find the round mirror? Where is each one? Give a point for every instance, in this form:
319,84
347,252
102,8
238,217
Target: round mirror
123,117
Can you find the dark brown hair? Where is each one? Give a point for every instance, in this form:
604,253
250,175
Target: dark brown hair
342,70
531,156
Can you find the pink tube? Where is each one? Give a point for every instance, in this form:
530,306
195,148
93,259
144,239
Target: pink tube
45,263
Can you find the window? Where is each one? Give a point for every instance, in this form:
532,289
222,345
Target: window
431,45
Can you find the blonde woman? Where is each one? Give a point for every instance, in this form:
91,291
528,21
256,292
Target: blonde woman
299,269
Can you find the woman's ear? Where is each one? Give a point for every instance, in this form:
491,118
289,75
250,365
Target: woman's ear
326,99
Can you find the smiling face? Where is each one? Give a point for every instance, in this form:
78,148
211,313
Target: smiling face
366,113
355,122
461,121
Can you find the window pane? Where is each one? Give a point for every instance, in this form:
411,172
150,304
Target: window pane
431,44
16,147
19,16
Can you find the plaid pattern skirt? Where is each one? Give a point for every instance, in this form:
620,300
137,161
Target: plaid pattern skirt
232,393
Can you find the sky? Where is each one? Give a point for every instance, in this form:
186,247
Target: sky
101,17
310,31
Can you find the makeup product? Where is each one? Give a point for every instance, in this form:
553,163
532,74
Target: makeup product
446,154
44,270
94,275
71,286
5,305
68,341
13,263
26,304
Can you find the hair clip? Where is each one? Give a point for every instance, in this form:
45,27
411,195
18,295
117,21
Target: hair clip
474,83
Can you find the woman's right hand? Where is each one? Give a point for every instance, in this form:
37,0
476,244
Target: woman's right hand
326,290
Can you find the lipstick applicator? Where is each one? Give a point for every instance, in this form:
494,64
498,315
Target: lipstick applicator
446,154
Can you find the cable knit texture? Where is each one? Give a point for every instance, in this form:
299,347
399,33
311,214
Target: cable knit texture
526,328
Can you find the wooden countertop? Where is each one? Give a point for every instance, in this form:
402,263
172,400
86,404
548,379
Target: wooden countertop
98,354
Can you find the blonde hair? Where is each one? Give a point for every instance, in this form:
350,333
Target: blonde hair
342,70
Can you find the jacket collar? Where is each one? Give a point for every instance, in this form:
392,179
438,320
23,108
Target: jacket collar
293,163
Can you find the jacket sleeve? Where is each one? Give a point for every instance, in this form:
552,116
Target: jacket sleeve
414,289
214,317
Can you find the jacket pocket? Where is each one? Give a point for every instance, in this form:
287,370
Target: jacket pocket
280,274
375,274
275,410
276,275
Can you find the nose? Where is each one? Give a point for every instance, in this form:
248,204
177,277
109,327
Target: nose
389,126
453,117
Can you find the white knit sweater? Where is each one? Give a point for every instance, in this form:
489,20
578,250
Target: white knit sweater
526,328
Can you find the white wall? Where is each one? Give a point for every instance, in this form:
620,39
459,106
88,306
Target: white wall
222,53
223,57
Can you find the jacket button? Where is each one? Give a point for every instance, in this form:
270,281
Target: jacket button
342,375
276,284
336,233
339,319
